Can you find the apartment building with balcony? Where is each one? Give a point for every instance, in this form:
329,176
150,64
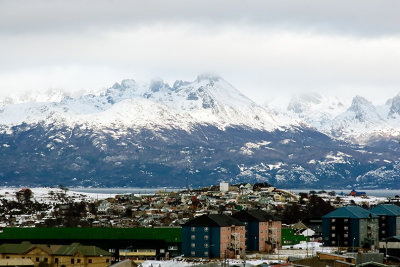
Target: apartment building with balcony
389,220
350,226
263,231
213,236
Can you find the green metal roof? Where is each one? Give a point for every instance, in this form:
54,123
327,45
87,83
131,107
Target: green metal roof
386,209
353,212
169,234
15,248
62,250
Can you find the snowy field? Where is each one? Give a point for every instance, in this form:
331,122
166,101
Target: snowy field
51,194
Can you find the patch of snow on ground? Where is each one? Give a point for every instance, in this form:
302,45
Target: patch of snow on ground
49,194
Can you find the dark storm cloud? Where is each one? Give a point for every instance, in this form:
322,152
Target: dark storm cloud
358,17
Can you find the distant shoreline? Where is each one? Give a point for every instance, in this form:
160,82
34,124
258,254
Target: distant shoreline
137,190
140,190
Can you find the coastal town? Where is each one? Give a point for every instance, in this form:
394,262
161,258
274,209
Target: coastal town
223,222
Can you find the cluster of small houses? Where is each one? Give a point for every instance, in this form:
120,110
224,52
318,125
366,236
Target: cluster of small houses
171,208
228,221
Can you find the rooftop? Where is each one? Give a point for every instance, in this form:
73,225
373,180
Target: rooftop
354,212
253,215
386,209
219,220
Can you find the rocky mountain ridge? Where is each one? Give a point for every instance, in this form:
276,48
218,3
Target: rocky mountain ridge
204,131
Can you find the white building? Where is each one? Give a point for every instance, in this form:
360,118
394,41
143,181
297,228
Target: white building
223,186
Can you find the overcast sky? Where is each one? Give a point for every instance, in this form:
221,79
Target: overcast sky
266,49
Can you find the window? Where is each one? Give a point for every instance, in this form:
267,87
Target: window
78,261
241,227
205,229
333,234
37,259
7,257
261,231
346,220
206,245
333,242
56,260
193,237
333,227
72,261
193,245
192,253
46,259
206,237
346,235
346,228
383,232
107,260
206,253
193,229
333,220
90,260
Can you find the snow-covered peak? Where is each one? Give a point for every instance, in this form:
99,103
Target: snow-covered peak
314,102
359,119
208,99
363,110
394,106
208,77
304,102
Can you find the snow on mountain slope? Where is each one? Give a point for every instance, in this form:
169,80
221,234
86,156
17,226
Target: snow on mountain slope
358,121
314,109
362,116
207,100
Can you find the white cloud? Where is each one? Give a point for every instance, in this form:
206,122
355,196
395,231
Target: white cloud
263,48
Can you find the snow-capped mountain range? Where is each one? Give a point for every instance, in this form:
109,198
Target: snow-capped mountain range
207,100
357,121
156,134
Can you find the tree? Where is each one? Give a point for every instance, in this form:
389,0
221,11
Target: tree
24,195
128,212
317,207
292,214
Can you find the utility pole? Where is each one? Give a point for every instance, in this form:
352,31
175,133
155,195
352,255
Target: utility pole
244,256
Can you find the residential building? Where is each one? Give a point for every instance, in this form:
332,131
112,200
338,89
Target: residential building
389,220
223,186
164,241
263,231
350,226
104,206
213,236
391,247
16,263
57,255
